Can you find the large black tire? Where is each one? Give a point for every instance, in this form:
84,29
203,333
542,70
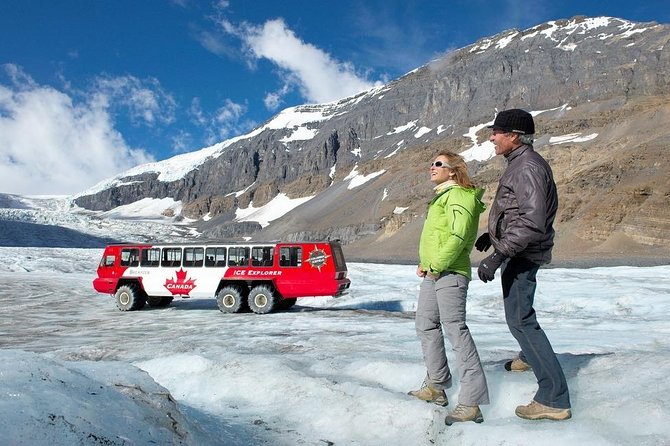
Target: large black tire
130,297
159,302
230,299
262,299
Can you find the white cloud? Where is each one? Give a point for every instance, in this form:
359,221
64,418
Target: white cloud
225,122
222,4
196,113
229,112
227,119
145,100
182,142
318,76
213,43
50,144
273,100
19,78
180,3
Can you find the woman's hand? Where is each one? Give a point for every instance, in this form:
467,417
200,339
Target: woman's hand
422,272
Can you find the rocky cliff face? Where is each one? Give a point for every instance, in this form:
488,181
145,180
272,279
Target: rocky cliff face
600,90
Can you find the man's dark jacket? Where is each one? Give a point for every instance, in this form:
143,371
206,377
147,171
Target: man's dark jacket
522,214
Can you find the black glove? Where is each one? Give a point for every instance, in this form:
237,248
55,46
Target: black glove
483,243
488,266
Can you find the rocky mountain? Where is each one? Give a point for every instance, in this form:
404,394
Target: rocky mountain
599,89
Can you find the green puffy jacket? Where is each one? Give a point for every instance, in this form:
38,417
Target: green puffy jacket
450,230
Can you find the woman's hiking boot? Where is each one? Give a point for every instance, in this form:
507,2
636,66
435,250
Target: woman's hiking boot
464,413
430,394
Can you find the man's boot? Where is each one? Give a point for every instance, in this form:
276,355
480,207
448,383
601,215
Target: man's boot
517,365
430,395
537,411
464,413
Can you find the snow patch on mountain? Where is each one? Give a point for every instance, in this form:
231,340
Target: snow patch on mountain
355,179
277,207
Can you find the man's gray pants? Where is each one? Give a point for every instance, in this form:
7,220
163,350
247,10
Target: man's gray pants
518,283
442,304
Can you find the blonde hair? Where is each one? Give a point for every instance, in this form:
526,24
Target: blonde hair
457,165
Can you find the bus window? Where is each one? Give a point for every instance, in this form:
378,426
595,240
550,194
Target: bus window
215,257
171,257
130,257
290,256
338,256
193,256
262,255
238,256
150,257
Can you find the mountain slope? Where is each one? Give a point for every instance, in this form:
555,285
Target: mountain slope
599,89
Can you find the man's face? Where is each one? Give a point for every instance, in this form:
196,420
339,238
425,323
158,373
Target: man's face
503,141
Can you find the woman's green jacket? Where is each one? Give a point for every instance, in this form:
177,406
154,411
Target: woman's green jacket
450,230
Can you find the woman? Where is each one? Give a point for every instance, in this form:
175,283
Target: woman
448,234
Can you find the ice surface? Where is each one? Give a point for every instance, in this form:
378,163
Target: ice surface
329,371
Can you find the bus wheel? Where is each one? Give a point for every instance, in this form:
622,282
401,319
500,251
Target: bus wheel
262,299
159,302
130,297
230,299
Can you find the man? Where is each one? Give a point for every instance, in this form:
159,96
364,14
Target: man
520,229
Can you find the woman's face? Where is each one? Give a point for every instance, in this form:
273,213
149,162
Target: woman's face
439,172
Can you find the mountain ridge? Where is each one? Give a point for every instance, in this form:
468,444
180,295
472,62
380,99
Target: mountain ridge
579,77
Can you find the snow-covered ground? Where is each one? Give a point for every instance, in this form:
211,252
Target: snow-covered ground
75,370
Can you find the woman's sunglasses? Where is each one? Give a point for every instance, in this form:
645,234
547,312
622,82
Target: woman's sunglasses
439,164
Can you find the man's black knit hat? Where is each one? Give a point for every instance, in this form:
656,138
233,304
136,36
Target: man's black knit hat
514,120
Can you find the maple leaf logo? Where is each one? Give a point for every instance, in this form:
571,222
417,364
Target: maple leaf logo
181,285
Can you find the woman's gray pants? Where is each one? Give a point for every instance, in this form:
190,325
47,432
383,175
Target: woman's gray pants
443,301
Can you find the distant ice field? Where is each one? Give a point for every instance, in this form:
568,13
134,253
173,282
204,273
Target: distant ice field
337,369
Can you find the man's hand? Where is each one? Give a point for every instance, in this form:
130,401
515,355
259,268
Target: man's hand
483,243
488,266
420,271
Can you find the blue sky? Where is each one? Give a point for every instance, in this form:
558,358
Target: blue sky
89,88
